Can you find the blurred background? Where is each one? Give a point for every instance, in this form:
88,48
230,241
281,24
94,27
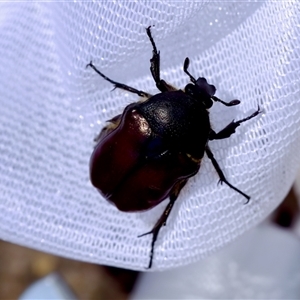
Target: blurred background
21,267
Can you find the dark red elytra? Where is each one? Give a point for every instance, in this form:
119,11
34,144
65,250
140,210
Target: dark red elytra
146,154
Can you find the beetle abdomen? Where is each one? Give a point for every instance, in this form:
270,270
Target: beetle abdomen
150,182
130,176
117,152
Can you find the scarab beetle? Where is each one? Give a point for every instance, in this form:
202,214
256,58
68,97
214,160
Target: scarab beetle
147,153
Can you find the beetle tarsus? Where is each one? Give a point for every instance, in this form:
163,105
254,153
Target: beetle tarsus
155,230
154,233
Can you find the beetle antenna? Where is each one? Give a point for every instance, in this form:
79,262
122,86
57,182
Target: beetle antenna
231,103
185,69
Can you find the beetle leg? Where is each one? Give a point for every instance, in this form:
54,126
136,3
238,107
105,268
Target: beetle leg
155,230
155,66
163,218
230,128
221,174
120,85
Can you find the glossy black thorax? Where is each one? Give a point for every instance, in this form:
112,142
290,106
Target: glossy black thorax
179,121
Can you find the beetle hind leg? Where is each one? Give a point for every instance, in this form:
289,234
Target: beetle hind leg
163,218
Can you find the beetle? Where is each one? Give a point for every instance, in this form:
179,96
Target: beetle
147,153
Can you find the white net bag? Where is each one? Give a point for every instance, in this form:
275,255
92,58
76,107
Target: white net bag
52,107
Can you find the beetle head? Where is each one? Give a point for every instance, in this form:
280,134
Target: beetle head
199,89
202,91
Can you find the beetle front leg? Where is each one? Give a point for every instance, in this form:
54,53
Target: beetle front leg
221,174
230,128
163,218
155,66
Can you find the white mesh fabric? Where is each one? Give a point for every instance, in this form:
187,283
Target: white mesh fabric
52,107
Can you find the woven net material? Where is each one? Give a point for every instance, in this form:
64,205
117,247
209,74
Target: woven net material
52,107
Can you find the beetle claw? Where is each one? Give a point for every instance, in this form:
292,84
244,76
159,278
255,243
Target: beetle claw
150,232
90,64
154,233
